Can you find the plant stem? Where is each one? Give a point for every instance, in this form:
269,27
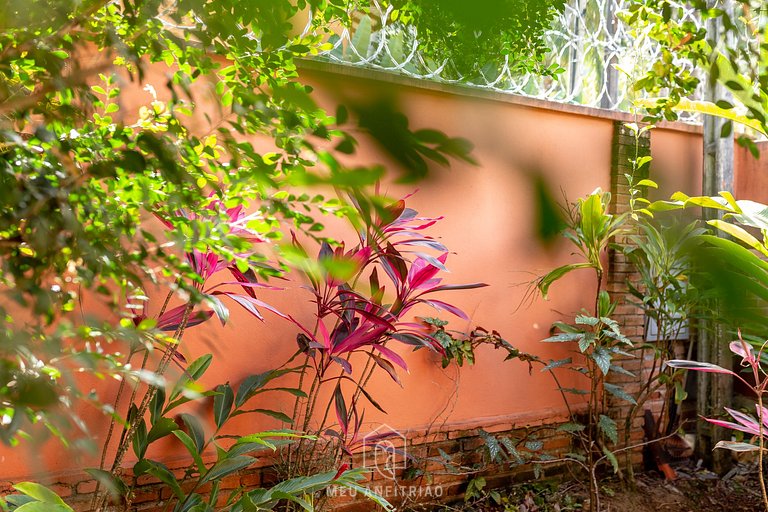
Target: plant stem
142,409
761,443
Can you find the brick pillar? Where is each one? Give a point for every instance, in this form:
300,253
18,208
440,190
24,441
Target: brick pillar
626,148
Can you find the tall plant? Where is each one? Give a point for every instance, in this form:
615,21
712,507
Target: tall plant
352,318
667,297
598,339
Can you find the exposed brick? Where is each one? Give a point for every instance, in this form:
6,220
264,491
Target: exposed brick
251,481
86,487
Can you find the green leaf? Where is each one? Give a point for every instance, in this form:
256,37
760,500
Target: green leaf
709,108
195,430
571,427
618,392
608,427
267,412
162,473
612,459
545,282
191,447
38,506
222,404
39,492
564,337
156,405
602,357
556,364
647,183
193,373
255,383
227,467
740,234
160,429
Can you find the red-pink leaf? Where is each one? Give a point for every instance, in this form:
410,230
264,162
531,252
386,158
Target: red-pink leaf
698,366
341,409
387,367
245,302
371,317
247,286
424,268
250,304
745,419
447,307
447,287
391,355
359,338
730,425
344,364
171,320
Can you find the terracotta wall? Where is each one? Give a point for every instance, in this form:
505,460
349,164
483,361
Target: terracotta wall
489,227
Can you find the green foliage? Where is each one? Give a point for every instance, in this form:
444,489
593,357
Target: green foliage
233,453
737,59
597,338
33,497
590,229
478,35
81,170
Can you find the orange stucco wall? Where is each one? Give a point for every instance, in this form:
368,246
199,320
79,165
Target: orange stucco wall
488,226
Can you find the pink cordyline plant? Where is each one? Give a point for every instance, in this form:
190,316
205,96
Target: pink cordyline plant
207,264
757,428
349,320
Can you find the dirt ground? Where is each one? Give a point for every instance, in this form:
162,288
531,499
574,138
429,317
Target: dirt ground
695,490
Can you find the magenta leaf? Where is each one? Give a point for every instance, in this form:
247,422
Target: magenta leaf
447,307
391,355
735,446
698,366
387,367
250,304
219,308
731,425
245,302
344,364
341,409
745,419
171,320
446,287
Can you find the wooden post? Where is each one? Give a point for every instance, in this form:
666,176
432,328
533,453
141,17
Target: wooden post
715,392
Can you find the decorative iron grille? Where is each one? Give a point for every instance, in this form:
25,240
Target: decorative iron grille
591,45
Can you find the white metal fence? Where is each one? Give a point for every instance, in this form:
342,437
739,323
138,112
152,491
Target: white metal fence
587,40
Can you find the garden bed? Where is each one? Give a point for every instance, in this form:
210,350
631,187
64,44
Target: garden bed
695,490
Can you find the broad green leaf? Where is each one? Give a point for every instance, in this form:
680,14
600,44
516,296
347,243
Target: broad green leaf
740,234
647,183
706,107
39,506
162,428
608,427
545,282
189,444
114,485
227,467
195,429
612,459
39,492
619,392
222,404
571,427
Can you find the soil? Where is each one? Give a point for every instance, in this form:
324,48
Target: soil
695,490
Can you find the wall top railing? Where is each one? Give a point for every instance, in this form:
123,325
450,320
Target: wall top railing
587,40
